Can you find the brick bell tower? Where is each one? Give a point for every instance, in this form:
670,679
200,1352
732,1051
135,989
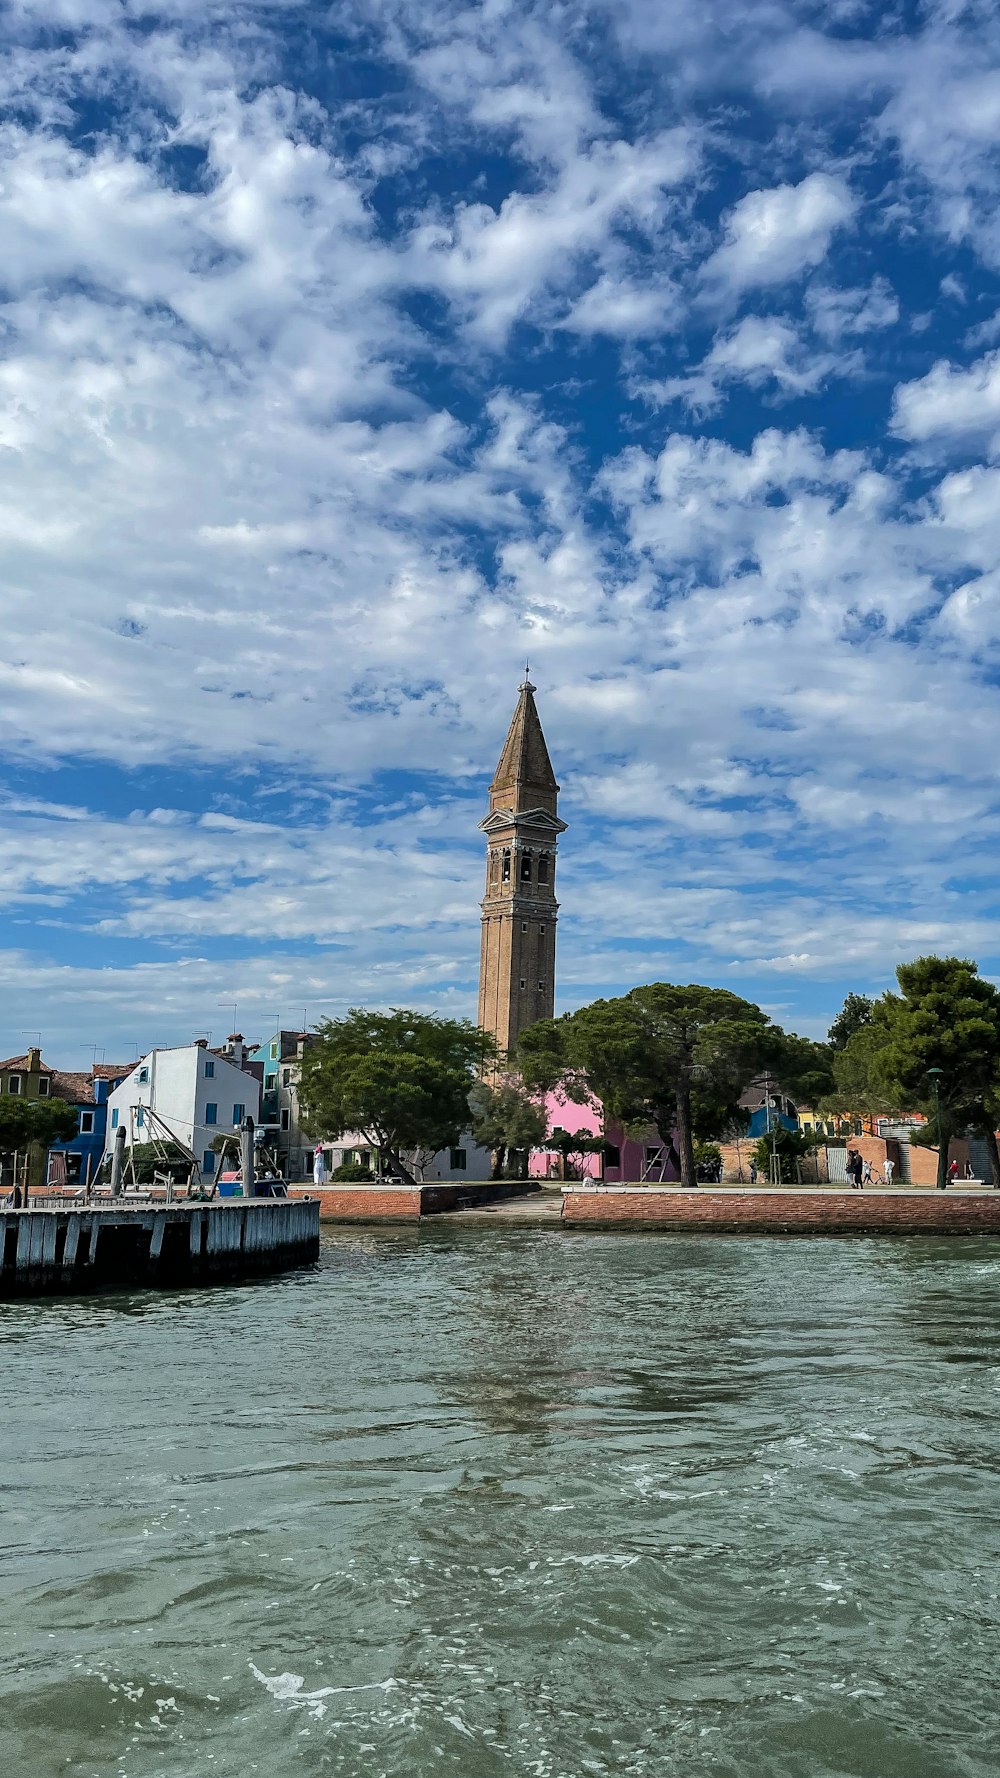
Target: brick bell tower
518,960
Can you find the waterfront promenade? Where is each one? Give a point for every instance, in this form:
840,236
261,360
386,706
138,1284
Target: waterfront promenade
707,1209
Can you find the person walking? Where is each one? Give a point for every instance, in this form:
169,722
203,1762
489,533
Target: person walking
866,1175
753,1172
859,1169
952,1172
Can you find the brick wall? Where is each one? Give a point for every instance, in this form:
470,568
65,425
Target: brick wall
812,1211
363,1203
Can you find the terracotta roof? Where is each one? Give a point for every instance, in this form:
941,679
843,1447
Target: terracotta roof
76,1086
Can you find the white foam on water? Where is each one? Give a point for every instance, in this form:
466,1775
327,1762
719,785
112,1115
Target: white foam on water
286,1688
600,1559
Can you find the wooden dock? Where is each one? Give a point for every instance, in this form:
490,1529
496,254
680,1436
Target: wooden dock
101,1246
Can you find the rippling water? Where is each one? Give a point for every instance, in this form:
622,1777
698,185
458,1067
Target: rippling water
517,1502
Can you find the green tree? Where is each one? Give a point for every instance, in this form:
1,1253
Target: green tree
573,1146
804,1068
508,1121
945,1016
147,1159
24,1122
787,1147
856,1012
859,1083
707,1159
32,1125
352,1172
662,1055
400,1079
15,1124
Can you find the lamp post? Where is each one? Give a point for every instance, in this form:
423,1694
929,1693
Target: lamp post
934,1074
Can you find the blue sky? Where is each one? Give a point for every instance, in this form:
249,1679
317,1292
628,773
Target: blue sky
349,358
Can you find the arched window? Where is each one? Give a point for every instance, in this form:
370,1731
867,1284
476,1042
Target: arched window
543,868
506,865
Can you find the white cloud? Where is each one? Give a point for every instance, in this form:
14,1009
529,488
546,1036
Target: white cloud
762,351
949,403
492,264
774,235
625,310
836,313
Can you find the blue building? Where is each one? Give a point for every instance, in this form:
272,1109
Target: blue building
87,1092
769,1106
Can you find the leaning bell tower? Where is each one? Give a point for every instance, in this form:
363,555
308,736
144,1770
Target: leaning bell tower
518,959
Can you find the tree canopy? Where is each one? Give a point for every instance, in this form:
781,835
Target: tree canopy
860,1085
400,1079
856,1012
674,1057
24,1122
804,1068
506,1120
945,1017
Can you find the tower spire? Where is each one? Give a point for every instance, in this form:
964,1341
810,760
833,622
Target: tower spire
524,769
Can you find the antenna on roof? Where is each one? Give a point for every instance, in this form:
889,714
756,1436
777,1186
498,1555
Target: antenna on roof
32,1034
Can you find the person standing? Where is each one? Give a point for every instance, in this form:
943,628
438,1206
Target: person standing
887,1170
753,1172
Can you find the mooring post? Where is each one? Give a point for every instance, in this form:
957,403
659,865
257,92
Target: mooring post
247,1157
118,1162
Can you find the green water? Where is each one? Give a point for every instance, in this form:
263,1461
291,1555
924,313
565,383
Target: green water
517,1502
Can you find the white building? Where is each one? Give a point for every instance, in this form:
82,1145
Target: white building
468,1161
198,1093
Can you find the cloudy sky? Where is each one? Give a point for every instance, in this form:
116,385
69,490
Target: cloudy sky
349,357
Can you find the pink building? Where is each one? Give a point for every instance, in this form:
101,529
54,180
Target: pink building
626,1160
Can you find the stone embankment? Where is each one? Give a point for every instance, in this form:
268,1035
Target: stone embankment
810,1210
816,1210
408,1203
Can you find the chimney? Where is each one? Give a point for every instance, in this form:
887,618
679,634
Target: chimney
34,1061
201,1043
235,1050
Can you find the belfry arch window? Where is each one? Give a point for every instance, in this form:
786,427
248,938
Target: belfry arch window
505,873
543,868
494,863
526,867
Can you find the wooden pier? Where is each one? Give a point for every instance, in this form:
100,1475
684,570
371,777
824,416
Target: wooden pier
101,1246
